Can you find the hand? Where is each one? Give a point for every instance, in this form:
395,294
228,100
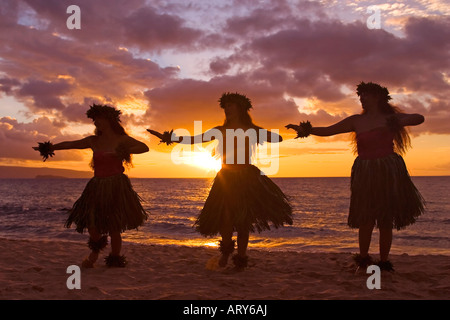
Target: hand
166,137
303,130
45,149
37,149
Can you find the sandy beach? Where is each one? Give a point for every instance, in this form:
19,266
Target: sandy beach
37,270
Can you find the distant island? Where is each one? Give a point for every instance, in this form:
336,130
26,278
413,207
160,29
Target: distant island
49,176
13,172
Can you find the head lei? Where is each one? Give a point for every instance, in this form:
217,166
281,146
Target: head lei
239,99
103,111
374,88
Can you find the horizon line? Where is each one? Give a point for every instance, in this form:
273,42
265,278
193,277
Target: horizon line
49,177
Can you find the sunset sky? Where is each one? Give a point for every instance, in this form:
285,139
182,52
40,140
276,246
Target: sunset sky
166,63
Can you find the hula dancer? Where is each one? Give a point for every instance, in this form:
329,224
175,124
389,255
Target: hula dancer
108,204
241,199
382,193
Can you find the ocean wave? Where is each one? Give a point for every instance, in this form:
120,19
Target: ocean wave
320,214
423,237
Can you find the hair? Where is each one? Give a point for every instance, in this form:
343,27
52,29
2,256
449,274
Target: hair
244,105
113,116
115,126
402,140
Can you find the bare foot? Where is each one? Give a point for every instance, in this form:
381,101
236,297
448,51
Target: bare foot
90,260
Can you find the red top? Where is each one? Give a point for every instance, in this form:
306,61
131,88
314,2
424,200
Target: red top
375,143
107,164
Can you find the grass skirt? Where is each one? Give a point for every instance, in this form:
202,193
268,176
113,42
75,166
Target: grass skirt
109,205
250,199
382,192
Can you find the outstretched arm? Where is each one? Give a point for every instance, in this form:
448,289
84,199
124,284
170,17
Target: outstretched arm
84,143
343,126
76,144
168,138
47,149
155,133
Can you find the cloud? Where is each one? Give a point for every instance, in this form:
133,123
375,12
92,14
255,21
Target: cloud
133,23
7,85
147,29
17,139
45,94
435,111
285,56
347,53
181,102
53,73
325,59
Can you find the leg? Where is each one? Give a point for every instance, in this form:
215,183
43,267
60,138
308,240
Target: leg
227,244
115,259
385,242
364,237
96,243
116,243
240,259
242,242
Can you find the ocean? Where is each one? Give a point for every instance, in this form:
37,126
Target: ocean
37,209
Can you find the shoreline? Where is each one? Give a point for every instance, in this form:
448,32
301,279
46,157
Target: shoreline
38,270
212,244
254,244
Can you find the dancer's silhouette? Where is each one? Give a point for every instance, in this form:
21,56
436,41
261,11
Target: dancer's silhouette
108,204
241,199
382,192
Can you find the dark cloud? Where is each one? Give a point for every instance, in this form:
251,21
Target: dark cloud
147,29
133,23
51,72
219,66
435,111
272,51
261,20
46,95
319,58
7,85
76,112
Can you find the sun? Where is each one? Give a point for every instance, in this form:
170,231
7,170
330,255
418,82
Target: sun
202,158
